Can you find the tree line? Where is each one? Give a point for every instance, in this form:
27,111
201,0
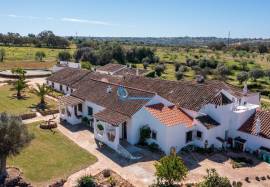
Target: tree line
43,39
101,53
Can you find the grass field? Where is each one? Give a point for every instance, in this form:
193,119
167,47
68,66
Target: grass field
49,157
24,57
10,104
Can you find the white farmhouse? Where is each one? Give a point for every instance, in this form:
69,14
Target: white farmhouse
178,113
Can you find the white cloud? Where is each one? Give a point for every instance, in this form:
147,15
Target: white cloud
24,17
94,22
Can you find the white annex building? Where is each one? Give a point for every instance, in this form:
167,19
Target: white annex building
178,113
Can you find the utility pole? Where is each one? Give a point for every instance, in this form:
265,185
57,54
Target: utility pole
229,35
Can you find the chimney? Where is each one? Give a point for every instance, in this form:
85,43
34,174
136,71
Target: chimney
199,78
245,89
137,72
109,89
258,127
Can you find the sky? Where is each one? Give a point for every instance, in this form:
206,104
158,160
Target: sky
138,18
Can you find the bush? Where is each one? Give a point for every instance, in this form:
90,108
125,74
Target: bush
213,180
144,134
159,69
153,147
106,173
100,127
179,75
64,56
151,74
86,181
170,169
86,65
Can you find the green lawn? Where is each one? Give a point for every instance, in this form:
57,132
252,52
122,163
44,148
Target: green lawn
50,156
10,104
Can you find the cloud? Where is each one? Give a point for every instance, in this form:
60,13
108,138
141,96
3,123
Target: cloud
24,17
94,22
65,19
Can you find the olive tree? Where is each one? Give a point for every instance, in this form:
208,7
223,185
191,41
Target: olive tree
40,55
13,137
170,169
213,179
256,74
242,77
64,56
2,54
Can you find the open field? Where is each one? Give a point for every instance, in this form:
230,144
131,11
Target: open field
24,57
10,104
49,157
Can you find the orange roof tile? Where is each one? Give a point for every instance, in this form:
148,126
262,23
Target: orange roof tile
170,115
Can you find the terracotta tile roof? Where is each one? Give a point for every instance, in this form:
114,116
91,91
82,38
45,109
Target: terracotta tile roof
111,67
69,100
169,115
68,76
96,92
130,71
207,121
220,99
186,94
97,76
250,125
111,117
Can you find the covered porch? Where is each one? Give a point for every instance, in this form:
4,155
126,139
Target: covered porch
71,109
110,127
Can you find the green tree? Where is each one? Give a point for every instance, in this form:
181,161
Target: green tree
170,169
40,55
256,74
41,91
64,56
213,180
2,54
20,84
242,76
159,69
179,75
223,71
13,137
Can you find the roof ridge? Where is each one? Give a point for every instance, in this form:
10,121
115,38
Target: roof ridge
115,84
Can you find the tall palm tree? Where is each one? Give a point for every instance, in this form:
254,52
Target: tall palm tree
41,90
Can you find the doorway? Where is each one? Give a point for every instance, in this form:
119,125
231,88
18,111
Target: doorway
124,130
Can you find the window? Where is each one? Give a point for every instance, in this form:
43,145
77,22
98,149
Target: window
80,107
154,135
67,88
61,87
199,134
53,84
188,136
90,111
71,90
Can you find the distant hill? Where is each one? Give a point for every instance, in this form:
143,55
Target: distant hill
178,41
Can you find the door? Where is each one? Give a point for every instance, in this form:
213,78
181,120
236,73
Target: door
124,130
238,146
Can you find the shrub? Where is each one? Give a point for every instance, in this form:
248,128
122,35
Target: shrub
153,147
159,69
112,181
64,56
176,66
170,169
144,134
151,74
86,181
100,127
213,179
179,75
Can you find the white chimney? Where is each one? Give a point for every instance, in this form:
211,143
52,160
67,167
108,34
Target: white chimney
245,89
137,72
109,89
258,127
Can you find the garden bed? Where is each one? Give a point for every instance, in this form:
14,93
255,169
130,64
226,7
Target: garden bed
28,116
47,112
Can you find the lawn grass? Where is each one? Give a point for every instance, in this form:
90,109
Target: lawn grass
49,157
10,104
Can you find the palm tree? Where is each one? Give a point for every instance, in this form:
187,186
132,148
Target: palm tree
19,86
13,137
41,91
